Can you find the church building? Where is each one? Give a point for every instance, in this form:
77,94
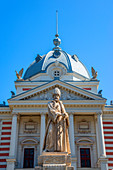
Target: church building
23,121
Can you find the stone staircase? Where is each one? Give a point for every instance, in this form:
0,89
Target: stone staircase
77,169
25,169
88,169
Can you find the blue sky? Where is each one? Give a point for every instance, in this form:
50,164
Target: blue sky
28,28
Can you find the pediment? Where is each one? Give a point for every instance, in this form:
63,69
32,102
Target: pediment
65,95
68,92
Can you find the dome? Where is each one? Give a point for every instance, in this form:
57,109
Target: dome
71,62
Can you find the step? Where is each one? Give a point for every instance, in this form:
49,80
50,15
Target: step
88,169
25,169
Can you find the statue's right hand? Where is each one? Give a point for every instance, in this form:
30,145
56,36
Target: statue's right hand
59,114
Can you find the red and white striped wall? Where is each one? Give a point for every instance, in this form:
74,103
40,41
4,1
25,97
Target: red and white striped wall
5,142
108,136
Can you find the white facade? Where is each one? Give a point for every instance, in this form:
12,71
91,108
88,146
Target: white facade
23,122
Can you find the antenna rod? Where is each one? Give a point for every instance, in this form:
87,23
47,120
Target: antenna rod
57,22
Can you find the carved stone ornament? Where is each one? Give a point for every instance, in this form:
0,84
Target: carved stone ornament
84,127
30,127
65,95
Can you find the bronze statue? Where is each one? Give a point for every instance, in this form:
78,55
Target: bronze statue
94,73
19,75
56,136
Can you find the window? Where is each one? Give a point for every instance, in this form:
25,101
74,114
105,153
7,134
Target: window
56,73
85,157
28,158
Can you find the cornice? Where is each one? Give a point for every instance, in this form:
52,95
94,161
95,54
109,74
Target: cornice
60,84
69,103
108,108
5,110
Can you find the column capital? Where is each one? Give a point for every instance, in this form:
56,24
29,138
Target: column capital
15,114
43,113
99,113
71,113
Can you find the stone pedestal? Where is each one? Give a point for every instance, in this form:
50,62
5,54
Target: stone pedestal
103,162
54,161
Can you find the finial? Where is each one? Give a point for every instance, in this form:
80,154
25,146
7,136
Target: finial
57,24
57,40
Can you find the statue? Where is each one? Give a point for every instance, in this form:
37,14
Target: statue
19,75
56,136
94,73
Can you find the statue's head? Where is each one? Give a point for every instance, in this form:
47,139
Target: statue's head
56,94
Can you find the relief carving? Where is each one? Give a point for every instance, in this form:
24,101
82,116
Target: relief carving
66,95
30,127
84,127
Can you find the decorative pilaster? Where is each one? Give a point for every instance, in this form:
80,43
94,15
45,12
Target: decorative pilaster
72,141
12,153
42,131
97,136
101,135
103,159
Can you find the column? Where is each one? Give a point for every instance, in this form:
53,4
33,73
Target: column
42,131
72,141
101,135
12,153
97,136
103,159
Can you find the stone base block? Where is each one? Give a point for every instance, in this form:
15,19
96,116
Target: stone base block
55,161
38,168
103,163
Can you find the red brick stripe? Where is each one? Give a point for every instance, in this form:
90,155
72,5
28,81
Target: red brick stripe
110,159
6,133
4,154
6,128
108,142
87,88
109,148
108,132
25,89
7,123
4,149
7,143
3,166
109,153
5,138
110,164
2,160
108,137
107,122
107,127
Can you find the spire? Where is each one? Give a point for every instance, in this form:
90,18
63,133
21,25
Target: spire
57,41
56,24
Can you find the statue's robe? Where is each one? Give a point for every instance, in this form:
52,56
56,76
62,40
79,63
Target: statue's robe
56,136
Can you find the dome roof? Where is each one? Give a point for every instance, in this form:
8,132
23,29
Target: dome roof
71,63
57,55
